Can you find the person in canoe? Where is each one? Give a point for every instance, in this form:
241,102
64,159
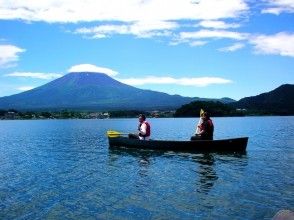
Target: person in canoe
205,128
144,129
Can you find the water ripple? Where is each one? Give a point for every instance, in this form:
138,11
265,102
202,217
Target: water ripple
64,170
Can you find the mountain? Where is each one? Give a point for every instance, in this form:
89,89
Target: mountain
226,100
91,91
278,101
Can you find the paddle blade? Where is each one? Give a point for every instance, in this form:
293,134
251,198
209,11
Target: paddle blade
113,134
201,112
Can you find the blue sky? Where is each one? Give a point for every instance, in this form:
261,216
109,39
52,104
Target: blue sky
197,48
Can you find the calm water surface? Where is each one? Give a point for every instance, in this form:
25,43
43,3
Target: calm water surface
63,169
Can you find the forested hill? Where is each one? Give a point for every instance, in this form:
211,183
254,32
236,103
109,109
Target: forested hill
276,102
279,101
214,108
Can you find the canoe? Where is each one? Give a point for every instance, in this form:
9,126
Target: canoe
227,145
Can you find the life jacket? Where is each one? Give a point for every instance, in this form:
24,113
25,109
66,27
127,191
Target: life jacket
148,130
210,128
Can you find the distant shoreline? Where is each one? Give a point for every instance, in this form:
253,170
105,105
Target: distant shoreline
109,118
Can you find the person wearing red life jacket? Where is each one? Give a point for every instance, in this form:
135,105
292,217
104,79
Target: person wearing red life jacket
206,128
144,129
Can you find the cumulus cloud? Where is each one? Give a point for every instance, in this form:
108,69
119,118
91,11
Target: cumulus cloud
46,76
234,47
217,24
9,54
199,82
279,44
25,88
126,11
92,68
279,6
140,18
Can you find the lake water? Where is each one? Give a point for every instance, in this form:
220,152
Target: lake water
63,169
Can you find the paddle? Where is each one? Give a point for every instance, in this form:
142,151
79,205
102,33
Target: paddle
112,133
199,122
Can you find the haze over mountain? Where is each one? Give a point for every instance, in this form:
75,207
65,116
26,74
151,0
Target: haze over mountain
92,91
278,101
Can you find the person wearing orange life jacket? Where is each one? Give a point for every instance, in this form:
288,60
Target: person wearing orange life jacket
206,128
144,129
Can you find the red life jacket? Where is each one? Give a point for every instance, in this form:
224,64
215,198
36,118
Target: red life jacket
148,130
211,127
208,128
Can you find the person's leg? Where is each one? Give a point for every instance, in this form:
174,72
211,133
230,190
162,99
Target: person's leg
195,137
133,136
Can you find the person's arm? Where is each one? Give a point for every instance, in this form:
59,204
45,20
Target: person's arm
198,126
202,132
203,128
143,129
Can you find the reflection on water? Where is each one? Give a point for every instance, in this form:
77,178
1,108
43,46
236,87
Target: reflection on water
204,163
207,173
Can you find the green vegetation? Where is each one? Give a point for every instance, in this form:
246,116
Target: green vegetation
276,102
215,108
64,114
126,114
67,114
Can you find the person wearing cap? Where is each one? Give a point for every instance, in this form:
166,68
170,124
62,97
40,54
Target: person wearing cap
144,129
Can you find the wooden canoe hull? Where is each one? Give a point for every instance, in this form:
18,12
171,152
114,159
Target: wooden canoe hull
228,145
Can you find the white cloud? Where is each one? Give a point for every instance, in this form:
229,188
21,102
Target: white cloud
197,43
140,18
9,54
103,31
25,88
199,82
46,76
192,43
204,34
234,47
92,68
114,10
142,29
217,24
279,6
279,44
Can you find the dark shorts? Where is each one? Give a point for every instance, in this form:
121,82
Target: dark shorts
133,136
